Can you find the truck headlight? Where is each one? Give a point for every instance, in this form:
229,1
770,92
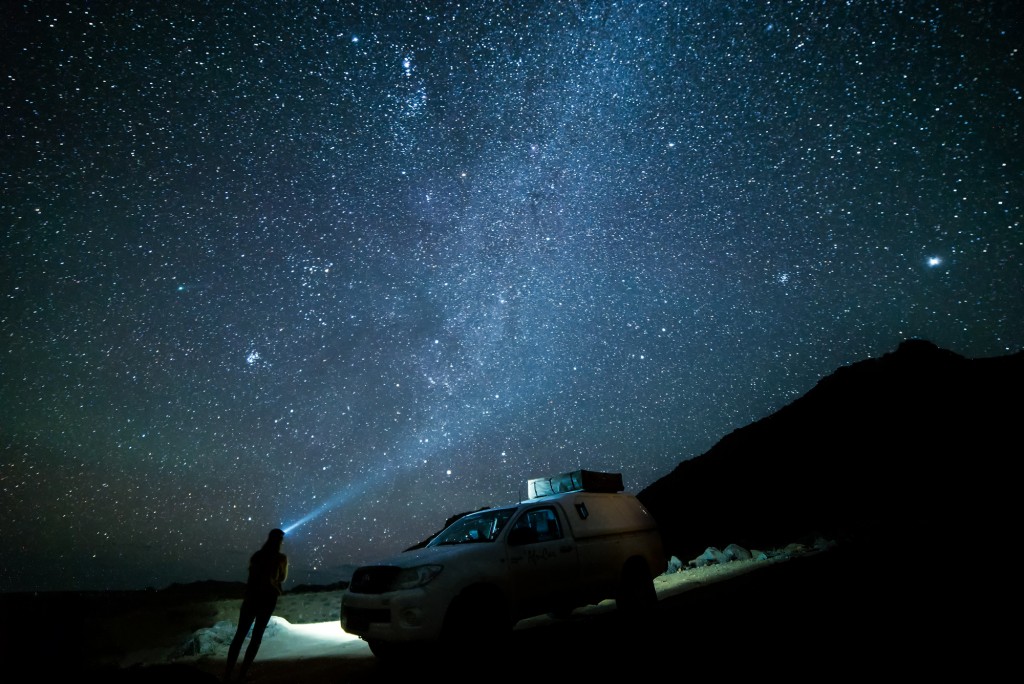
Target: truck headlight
410,578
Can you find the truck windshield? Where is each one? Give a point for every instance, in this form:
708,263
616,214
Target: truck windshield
484,526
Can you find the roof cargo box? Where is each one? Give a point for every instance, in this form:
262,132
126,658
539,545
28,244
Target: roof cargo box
576,481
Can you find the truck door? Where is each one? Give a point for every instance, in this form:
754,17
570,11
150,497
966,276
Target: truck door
543,562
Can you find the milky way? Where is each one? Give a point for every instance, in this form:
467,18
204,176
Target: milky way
353,267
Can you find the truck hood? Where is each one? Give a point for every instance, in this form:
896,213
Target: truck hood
439,554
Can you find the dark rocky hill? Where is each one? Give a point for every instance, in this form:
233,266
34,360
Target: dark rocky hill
917,446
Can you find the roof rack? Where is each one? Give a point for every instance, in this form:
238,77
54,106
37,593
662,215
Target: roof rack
575,481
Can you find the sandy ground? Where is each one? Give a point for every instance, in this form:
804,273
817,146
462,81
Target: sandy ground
305,641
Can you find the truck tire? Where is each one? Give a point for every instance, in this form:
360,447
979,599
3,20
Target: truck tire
476,615
394,652
637,595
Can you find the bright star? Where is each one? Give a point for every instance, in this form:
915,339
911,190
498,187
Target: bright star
934,261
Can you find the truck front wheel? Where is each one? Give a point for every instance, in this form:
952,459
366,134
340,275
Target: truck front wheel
390,652
476,615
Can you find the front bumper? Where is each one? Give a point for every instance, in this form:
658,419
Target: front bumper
397,616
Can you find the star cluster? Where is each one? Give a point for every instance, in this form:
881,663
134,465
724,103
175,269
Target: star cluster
350,268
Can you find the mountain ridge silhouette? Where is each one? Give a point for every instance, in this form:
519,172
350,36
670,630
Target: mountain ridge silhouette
883,451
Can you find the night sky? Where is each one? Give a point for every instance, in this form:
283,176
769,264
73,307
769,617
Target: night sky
363,265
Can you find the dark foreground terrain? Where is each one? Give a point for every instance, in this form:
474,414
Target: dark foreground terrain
839,613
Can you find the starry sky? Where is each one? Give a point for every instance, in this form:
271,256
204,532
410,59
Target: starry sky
351,267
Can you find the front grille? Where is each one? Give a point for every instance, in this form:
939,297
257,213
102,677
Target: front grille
373,579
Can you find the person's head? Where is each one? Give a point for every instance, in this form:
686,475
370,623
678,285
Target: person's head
274,539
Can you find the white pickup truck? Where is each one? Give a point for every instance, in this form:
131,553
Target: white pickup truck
577,540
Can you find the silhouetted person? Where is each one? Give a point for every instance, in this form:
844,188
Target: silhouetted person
268,569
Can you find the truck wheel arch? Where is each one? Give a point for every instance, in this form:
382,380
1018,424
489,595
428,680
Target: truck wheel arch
636,594
478,612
